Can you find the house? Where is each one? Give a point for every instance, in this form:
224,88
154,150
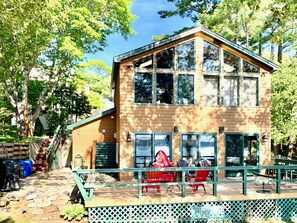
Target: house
194,95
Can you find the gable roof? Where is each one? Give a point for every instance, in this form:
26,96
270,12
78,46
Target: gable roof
119,58
90,119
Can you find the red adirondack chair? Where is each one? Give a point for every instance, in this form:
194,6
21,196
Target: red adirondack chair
200,176
152,177
162,160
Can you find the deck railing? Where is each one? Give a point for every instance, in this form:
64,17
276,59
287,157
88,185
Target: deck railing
273,174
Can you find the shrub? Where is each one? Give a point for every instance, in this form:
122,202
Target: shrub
74,211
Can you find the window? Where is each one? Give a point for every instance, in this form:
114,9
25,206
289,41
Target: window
165,59
250,92
143,88
186,56
185,89
164,88
249,68
211,57
148,144
231,89
199,146
146,62
231,63
210,92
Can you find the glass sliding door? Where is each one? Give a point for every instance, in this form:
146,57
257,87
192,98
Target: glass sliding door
241,150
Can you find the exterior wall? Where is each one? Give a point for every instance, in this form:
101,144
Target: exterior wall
135,118
87,135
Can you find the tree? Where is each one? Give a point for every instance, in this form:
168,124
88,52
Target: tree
237,20
284,103
93,78
46,39
65,106
190,8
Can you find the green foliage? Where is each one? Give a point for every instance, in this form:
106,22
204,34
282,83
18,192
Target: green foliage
284,103
74,211
190,9
46,40
96,76
66,105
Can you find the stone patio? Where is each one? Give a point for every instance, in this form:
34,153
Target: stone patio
41,198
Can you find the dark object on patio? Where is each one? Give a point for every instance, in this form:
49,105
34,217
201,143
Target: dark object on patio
200,176
9,175
162,161
152,177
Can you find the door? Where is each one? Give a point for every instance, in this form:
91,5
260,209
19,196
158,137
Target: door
105,155
241,150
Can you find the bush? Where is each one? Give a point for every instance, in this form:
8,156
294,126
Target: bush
74,211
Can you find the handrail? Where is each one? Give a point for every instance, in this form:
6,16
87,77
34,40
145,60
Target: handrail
53,141
86,188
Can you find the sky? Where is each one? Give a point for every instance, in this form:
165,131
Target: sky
147,24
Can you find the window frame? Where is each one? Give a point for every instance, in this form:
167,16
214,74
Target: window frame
152,134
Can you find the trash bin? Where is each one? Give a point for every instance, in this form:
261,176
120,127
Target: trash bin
9,175
26,167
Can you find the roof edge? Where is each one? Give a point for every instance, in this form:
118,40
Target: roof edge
119,58
89,119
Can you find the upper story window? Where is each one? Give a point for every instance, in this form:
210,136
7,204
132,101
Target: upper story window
146,62
211,90
249,68
165,59
143,88
231,63
231,91
223,80
159,78
164,88
211,57
186,56
185,89
250,92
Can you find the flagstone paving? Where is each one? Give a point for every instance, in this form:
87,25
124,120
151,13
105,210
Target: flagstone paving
41,198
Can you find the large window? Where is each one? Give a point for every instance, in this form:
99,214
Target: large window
210,92
185,89
186,56
249,68
143,87
211,57
148,144
250,91
231,63
199,146
160,78
164,88
165,59
228,80
231,90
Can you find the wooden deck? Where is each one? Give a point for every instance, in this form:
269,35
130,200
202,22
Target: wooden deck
124,196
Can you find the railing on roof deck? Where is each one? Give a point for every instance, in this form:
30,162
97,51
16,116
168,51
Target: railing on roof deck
87,189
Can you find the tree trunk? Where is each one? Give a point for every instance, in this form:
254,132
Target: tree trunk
280,52
272,51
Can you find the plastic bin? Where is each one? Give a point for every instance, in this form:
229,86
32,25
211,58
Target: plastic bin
27,167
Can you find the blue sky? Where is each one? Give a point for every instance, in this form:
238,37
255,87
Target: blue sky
147,24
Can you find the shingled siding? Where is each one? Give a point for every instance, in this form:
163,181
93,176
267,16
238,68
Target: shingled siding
86,136
197,118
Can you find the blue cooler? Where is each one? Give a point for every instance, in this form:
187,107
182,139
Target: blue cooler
27,167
